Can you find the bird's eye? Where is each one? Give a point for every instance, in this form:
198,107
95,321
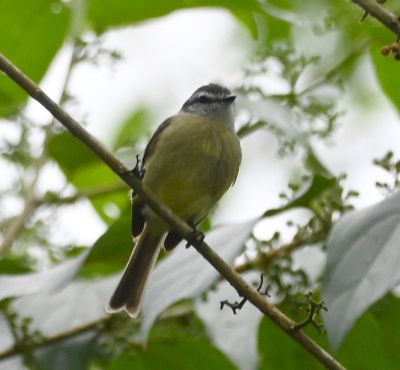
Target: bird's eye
203,99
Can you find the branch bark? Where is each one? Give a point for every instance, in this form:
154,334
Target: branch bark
383,15
174,221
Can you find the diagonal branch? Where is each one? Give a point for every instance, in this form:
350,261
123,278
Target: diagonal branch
174,221
384,16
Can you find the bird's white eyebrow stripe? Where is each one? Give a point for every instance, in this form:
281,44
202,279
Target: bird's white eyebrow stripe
206,94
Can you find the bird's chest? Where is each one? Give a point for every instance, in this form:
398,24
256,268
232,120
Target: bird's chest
203,158
194,166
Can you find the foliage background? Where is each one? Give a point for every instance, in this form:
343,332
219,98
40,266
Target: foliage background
317,101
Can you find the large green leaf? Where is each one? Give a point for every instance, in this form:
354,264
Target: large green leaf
374,341
278,351
372,344
181,353
108,13
31,33
362,265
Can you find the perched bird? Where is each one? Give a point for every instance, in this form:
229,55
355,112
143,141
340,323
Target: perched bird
189,163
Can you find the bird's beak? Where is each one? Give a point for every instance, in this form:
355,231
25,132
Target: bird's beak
229,98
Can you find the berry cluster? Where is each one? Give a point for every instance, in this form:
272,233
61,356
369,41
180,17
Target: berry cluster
394,49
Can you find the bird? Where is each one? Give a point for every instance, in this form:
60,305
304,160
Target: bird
191,160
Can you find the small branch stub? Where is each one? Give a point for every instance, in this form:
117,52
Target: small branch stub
238,305
313,308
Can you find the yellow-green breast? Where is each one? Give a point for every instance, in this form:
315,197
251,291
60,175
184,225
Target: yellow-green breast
194,162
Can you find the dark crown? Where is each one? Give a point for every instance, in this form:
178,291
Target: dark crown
208,94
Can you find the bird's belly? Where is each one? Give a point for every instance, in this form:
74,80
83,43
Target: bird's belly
193,176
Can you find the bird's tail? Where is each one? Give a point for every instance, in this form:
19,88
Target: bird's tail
129,291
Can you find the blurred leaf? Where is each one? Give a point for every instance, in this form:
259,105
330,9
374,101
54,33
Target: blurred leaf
314,164
277,29
107,13
111,251
278,351
53,278
31,33
374,341
387,70
362,265
185,274
87,172
99,175
181,353
319,185
248,19
132,129
235,335
371,345
6,337
71,353
12,265
70,153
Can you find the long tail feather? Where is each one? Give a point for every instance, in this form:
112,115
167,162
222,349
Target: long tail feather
129,291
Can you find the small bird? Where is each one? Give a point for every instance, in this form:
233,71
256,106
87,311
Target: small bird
189,163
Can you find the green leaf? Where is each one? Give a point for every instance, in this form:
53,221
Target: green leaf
70,153
362,264
87,173
387,70
111,251
132,129
108,13
71,353
99,176
319,186
279,351
13,265
31,33
277,29
180,353
373,343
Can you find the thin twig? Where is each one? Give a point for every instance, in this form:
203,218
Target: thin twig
173,221
52,199
31,203
263,259
17,224
387,18
58,337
